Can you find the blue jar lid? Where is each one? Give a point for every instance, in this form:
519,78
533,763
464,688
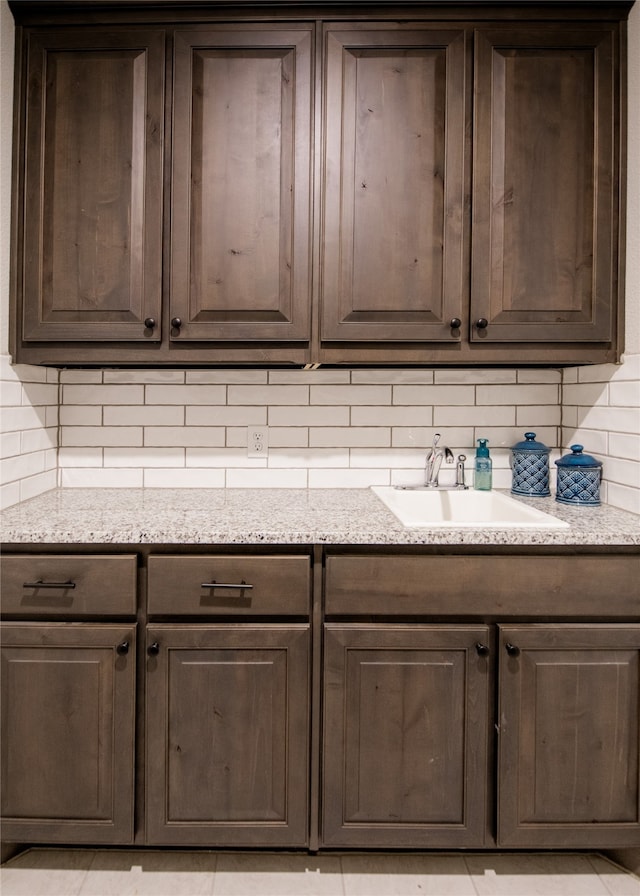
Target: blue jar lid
578,459
530,444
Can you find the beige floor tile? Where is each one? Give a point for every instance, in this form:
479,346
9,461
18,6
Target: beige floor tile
46,872
406,875
148,873
616,880
277,875
534,875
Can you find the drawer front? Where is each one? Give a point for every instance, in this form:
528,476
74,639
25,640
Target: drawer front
214,585
539,585
69,585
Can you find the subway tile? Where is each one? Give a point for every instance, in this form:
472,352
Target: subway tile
51,416
87,415
595,441
422,437
80,457
392,377
149,415
520,394
433,395
624,445
586,394
310,457
539,375
474,376
348,478
380,457
279,437
10,444
9,494
11,394
308,377
23,373
268,395
622,496
81,376
39,440
607,418
570,375
99,394
144,457
350,395
399,415
24,417
178,477
629,369
185,395
486,415
184,436
36,485
39,394
222,457
530,416
21,466
174,377
348,436
82,436
101,478
266,478
226,377
223,415
508,436
625,394
624,472
308,416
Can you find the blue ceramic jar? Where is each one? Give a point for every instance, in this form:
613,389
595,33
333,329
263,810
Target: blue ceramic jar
530,468
579,477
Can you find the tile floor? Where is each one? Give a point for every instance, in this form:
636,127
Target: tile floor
78,872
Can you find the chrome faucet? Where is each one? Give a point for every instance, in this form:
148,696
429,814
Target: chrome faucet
433,462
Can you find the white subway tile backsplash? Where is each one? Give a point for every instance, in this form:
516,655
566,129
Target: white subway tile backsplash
328,428
624,496
186,395
100,394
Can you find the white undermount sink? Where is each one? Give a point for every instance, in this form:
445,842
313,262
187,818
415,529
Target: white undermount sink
462,509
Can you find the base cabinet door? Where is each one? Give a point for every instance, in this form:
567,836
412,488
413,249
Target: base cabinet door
68,697
227,735
569,773
405,735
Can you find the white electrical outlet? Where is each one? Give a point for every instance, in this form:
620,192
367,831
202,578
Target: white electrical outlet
257,441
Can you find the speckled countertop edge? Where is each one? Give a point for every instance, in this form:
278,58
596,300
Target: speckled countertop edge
277,516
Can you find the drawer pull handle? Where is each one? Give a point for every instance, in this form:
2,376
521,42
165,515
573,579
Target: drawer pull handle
242,586
41,584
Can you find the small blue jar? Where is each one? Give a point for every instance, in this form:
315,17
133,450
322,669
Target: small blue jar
530,468
579,477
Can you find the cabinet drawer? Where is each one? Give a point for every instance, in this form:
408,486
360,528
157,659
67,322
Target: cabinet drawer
540,585
223,585
62,585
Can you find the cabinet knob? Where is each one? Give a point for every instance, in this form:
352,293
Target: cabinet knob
123,649
150,323
482,323
511,649
482,649
455,323
176,322
153,649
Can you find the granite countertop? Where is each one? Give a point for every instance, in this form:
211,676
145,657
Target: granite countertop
276,516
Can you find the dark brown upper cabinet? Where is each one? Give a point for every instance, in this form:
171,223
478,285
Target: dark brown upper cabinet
241,206
545,185
394,179
93,158
316,186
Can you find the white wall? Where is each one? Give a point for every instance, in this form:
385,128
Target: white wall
327,428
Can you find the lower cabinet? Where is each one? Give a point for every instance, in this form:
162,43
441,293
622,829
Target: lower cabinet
68,714
569,723
227,734
405,752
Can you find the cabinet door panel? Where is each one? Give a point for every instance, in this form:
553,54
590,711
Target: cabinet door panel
569,736
227,748
241,173
545,183
93,211
392,245
401,766
68,723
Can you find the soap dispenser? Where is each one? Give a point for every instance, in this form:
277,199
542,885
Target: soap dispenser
483,467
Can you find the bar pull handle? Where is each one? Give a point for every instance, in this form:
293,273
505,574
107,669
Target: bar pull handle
242,586
41,584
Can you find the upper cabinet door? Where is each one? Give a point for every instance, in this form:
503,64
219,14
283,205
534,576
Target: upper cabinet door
545,185
241,236
92,258
394,173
